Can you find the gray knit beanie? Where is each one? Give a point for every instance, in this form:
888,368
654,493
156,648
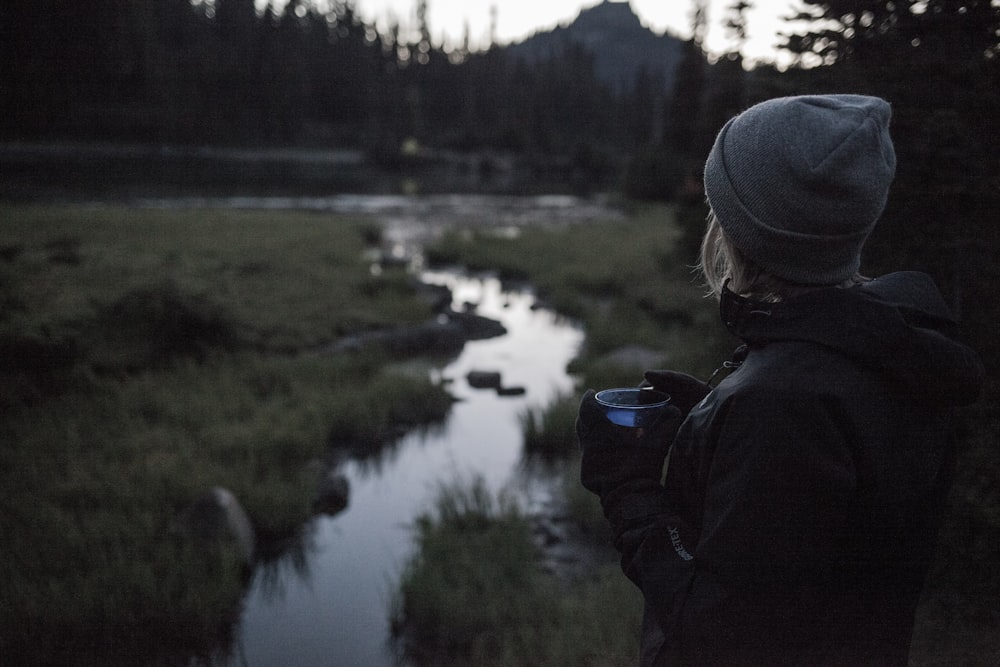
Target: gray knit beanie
797,183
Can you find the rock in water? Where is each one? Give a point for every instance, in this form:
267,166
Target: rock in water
483,379
333,493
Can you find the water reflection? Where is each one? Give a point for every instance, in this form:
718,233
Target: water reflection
328,604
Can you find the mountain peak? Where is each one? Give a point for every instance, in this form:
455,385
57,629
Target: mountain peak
608,15
621,45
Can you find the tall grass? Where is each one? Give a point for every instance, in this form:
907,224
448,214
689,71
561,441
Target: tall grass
149,356
288,280
474,594
548,431
95,483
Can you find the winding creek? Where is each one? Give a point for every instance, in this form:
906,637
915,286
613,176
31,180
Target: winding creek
329,602
333,607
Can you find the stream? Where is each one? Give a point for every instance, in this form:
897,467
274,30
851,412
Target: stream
333,607
329,603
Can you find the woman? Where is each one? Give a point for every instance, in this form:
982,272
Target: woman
797,516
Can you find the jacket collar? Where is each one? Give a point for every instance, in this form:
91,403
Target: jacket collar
897,323
736,311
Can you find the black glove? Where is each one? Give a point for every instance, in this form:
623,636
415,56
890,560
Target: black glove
685,391
613,456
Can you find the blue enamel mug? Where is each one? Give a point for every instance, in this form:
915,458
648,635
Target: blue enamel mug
632,407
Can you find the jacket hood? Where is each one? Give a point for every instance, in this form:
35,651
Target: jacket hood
898,325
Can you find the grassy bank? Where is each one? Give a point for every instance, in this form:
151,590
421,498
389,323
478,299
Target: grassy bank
287,280
149,356
630,282
474,595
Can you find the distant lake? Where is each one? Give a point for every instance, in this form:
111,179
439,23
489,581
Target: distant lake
68,171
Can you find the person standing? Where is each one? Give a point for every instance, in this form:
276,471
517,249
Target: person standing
788,515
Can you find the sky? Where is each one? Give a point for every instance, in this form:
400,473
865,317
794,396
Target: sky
517,19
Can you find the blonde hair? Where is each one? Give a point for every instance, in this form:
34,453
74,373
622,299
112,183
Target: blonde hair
723,265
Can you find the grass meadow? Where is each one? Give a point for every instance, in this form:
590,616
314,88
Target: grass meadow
148,356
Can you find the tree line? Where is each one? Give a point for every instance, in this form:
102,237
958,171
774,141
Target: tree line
177,71
225,72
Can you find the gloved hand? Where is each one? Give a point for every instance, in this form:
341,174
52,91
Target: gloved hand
685,390
613,455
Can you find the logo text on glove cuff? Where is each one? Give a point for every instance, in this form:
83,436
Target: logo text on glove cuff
675,539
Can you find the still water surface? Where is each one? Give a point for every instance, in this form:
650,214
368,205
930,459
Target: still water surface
332,608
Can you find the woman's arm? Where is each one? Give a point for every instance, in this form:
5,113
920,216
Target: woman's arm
734,556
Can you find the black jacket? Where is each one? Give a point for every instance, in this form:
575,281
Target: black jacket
804,494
